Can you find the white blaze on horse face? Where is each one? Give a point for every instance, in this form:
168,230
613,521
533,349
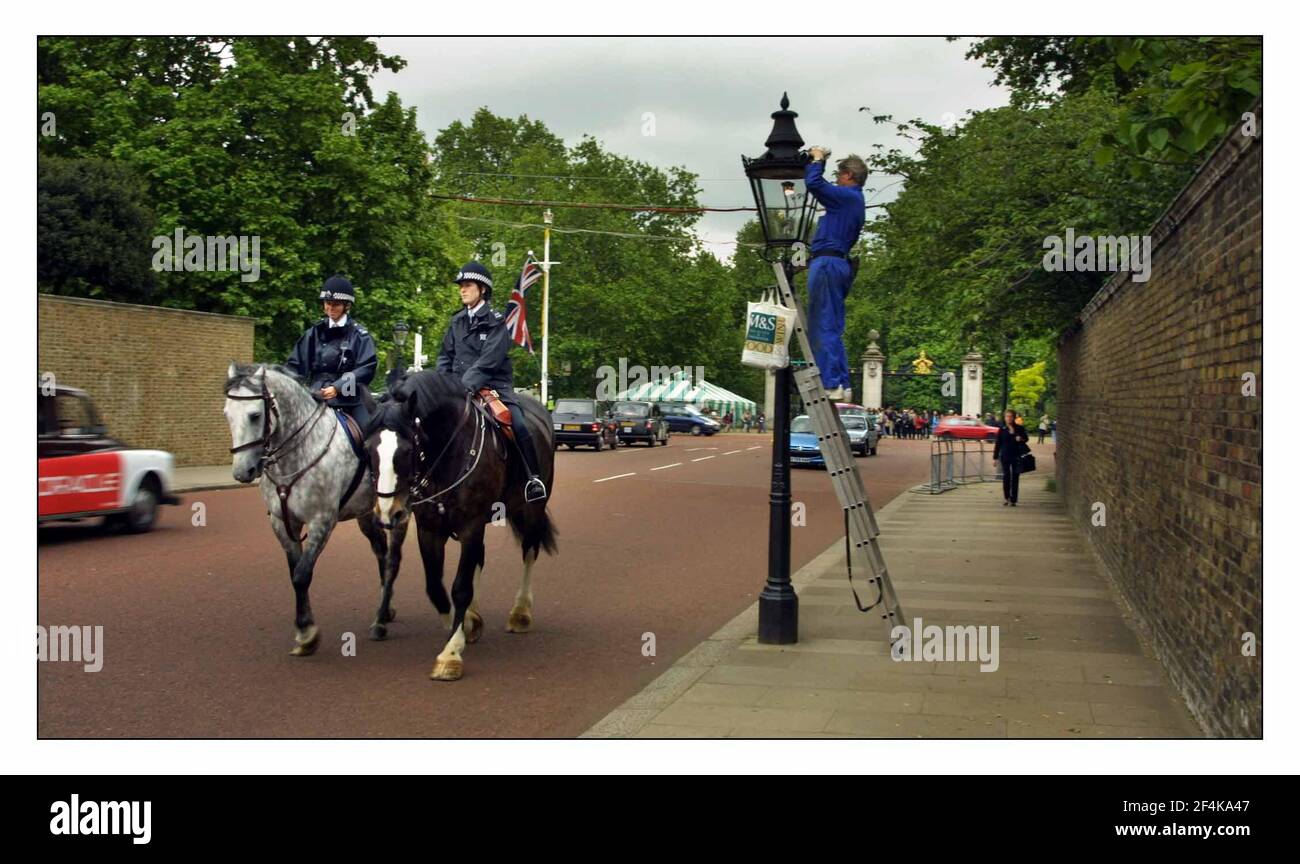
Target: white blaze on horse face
387,473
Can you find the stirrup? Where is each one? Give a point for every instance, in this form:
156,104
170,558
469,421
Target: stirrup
534,489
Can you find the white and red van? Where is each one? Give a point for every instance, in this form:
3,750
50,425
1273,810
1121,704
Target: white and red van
82,473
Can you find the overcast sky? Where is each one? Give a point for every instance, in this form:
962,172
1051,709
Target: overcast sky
710,98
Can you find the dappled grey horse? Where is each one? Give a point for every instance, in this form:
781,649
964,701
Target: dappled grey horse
310,480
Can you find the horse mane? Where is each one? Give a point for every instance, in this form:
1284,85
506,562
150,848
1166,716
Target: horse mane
244,371
419,394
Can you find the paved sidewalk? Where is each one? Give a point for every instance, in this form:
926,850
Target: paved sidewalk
1070,664
201,477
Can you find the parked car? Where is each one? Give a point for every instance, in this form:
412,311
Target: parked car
803,443
687,418
585,423
965,427
83,473
640,421
864,435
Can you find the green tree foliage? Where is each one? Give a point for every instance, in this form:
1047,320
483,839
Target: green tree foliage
1027,388
956,260
1101,133
1177,95
87,210
278,138
651,295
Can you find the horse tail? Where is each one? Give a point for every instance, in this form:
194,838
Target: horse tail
546,534
535,533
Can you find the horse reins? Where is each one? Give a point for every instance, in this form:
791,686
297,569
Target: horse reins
421,481
272,455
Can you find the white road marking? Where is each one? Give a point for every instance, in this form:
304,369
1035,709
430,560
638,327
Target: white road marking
662,467
701,458
693,449
755,447
615,477
729,452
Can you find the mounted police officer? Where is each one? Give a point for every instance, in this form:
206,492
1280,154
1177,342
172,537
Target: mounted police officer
476,347
336,355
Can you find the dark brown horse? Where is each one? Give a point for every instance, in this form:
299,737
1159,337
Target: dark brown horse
440,457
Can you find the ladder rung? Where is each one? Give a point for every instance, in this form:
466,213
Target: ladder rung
841,465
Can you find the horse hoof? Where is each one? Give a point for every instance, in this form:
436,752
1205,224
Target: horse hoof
308,640
391,616
520,621
447,670
378,632
473,626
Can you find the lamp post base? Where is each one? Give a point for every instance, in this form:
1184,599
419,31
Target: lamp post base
778,617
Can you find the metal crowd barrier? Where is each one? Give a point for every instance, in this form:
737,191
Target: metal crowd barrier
957,461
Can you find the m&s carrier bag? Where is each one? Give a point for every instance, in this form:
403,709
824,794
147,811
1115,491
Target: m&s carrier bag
767,334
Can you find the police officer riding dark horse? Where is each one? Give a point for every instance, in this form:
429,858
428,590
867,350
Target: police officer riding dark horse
336,356
476,348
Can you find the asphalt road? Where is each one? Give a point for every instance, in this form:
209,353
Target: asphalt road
198,621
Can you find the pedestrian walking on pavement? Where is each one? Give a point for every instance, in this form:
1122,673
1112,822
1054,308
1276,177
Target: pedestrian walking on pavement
1012,443
1042,428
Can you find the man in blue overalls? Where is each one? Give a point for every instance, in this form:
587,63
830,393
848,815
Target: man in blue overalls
831,274
476,348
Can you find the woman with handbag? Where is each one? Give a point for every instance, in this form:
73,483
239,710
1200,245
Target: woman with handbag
1012,442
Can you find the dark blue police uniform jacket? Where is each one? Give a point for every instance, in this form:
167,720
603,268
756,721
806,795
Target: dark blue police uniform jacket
478,351
329,356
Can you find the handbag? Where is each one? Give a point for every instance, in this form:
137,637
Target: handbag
1027,462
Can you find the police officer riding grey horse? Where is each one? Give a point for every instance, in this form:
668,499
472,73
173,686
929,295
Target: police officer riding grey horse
337,355
476,348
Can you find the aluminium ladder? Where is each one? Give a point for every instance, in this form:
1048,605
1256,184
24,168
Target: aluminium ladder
842,468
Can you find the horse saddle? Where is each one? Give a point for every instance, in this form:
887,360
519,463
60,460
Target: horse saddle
353,431
500,412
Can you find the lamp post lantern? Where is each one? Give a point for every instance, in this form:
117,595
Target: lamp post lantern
785,215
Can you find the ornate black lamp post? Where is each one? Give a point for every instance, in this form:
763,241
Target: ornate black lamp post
785,214
399,339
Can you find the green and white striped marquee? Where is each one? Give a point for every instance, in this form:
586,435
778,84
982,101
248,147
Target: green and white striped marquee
700,393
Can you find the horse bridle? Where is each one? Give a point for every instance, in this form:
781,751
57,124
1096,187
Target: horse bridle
420,479
271,455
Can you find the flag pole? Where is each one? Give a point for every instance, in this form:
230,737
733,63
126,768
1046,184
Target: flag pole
547,218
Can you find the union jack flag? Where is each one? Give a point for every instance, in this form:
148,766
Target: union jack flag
517,309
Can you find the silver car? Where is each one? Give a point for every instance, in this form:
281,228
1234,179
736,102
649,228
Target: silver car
864,435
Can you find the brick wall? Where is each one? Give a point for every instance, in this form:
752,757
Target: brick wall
1154,425
155,374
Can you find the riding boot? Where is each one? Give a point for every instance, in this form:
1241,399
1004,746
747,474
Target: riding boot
534,489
